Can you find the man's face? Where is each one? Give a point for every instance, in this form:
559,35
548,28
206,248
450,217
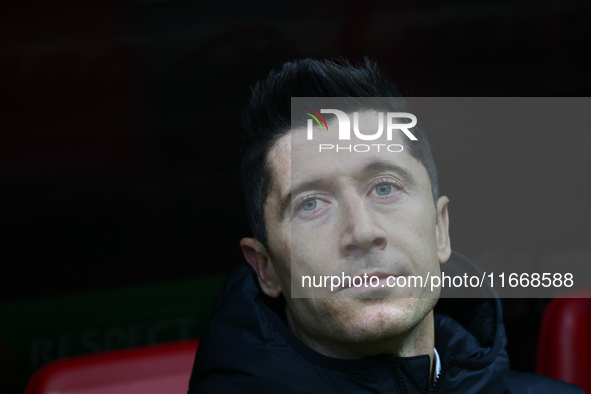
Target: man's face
355,213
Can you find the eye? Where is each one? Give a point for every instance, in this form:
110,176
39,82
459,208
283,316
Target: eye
310,205
383,189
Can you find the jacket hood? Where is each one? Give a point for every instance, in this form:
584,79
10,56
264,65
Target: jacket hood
247,342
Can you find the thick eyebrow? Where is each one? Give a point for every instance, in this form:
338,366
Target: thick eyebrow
371,168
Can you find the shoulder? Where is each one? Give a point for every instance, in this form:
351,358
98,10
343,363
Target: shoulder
523,382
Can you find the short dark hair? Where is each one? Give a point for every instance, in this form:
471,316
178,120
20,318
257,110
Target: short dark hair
267,117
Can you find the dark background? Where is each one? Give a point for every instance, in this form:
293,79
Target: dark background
120,128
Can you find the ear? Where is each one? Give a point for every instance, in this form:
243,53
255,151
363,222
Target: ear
442,230
256,255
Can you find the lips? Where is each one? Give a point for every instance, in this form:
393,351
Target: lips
366,284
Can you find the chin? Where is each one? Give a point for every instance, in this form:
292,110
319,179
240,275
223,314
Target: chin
379,319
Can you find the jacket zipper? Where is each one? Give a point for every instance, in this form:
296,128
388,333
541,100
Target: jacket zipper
396,375
399,378
441,374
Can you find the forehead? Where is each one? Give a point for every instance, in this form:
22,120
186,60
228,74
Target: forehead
295,159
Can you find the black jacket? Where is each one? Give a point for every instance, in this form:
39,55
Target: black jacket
247,348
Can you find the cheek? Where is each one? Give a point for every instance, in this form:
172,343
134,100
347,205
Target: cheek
323,315
414,226
279,250
313,249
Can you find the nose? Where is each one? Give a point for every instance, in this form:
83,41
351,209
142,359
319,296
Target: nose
361,231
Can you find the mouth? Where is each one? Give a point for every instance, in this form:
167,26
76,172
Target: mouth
373,280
